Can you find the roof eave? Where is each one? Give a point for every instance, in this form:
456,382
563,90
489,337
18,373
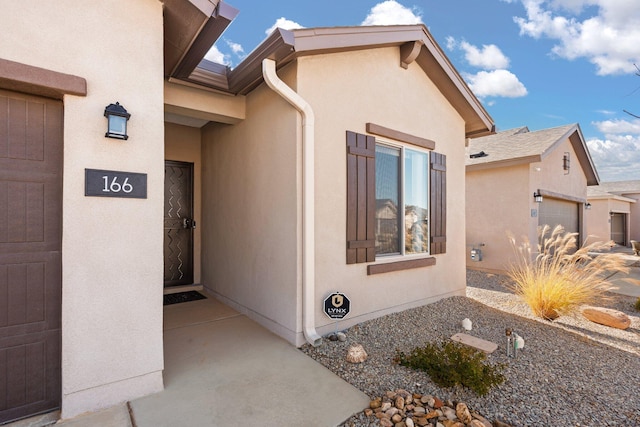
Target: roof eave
503,163
284,46
191,27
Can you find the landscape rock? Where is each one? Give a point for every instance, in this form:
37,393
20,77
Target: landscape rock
392,410
607,317
462,412
356,354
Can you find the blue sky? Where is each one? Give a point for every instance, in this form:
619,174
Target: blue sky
534,63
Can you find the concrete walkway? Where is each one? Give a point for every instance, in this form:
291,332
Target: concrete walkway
625,283
223,369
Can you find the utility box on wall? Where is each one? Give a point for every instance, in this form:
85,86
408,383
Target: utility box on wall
476,254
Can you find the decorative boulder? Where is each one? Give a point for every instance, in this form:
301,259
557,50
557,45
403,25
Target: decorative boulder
607,317
356,354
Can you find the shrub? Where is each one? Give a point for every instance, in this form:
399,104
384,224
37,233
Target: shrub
638,304
561,277
451,363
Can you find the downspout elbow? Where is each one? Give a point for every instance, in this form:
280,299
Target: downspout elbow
308,197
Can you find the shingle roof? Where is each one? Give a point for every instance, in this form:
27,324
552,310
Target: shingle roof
621,187
518,143
521,146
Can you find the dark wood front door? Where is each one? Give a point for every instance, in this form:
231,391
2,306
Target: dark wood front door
178,223
30,254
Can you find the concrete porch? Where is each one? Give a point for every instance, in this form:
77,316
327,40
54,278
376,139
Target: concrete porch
223,369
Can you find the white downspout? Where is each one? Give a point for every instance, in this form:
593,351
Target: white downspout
308,197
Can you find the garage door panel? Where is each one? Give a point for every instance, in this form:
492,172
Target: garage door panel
32,385
28,216
555,212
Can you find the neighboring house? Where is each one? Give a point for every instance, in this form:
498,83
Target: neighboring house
615,213
263,193
503,173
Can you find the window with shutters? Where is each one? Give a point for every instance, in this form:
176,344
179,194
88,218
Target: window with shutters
396,198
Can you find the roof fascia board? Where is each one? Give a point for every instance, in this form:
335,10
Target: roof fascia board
504,163
584,157
213,27
279,46
554,195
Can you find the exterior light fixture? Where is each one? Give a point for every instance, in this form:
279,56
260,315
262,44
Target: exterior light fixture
117,118
537,197
587,206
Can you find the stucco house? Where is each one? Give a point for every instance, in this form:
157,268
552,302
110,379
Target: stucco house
519,179
615,214
257,184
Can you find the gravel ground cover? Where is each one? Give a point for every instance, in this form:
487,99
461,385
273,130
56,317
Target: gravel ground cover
572,372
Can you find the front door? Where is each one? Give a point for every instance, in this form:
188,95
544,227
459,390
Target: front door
618,228
30,254
178,223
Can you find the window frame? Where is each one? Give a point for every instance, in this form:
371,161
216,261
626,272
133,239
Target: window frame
403,147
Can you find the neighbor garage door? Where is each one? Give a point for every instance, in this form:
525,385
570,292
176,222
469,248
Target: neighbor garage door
30,247
555,211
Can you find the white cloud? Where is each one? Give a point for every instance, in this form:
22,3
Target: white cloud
236,48
390,12
619,126
214,55
496,83
490,57
284,23
617,156
609,39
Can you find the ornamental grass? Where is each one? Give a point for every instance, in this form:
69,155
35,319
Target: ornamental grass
561,277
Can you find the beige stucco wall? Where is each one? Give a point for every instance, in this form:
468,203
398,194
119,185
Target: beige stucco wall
182,143
554,178
111,247
499,201
250,211
598,221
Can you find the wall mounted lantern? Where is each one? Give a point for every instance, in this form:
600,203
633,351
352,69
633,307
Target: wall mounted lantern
537,197
587,206
117,118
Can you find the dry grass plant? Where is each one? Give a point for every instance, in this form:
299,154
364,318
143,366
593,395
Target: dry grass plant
562,277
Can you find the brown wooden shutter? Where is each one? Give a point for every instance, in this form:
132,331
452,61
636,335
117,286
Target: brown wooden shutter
361,198
438,203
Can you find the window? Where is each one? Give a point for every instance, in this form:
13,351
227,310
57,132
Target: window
402,200
396,197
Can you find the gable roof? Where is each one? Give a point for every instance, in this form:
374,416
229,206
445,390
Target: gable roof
414,42
521,146
621,187
597,192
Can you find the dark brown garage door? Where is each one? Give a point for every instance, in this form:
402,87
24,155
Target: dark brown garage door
30,246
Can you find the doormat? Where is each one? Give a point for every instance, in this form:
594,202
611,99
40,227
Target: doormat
182,297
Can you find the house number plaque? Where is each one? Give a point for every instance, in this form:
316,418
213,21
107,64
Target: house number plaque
104,183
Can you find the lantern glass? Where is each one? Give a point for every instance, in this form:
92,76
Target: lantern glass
117,126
